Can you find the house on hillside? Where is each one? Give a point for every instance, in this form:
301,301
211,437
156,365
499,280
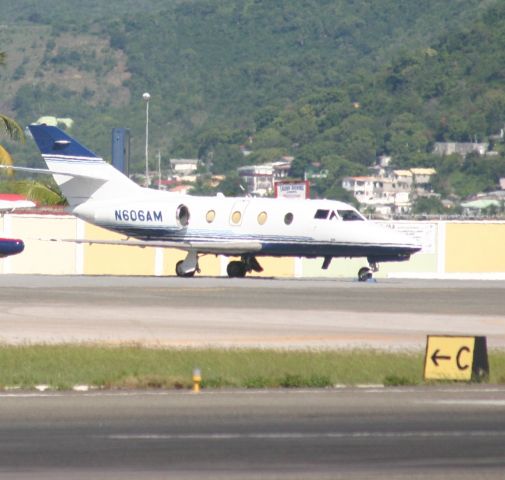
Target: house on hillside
402,180
390,191
260,179
363,188
480,206
422,176
460,148
183,167
64,122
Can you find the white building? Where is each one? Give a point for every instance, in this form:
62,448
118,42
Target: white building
422,176
461,148
260,179
402,180
388,193
363,188
184,166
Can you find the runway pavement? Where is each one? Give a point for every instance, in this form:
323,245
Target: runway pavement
422,433
250,312
419,433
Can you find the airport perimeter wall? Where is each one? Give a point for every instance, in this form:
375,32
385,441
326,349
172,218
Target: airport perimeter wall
451,249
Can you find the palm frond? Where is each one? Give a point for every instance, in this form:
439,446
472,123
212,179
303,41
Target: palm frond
11,128
40,193
5,159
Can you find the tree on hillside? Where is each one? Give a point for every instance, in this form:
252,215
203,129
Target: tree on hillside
9,127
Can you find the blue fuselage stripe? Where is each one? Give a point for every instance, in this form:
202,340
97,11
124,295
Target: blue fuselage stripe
271,245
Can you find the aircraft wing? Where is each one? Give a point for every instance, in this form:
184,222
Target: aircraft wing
238,247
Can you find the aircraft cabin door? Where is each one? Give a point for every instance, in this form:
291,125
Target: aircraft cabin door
237,212
326,223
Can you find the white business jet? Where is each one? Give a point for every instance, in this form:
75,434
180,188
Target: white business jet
246,227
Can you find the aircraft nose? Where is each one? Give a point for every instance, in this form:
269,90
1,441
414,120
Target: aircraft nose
18,246
11,246
392,236
409,243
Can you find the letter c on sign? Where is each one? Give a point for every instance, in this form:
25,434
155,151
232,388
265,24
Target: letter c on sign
458,358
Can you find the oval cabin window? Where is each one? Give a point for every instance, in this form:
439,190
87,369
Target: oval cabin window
262,218
211,215
236,217
288,218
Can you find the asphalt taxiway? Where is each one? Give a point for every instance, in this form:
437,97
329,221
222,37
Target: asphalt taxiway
422,433
250,312
349,433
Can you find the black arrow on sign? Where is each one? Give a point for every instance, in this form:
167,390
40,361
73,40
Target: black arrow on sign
435,357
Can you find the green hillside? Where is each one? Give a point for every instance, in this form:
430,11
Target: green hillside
206,64
73,12
451,91
332,82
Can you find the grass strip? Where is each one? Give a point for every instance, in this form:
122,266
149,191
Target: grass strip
63,366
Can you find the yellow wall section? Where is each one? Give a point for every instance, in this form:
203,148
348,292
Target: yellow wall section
43,257
475,247
114,259
275,267
418,263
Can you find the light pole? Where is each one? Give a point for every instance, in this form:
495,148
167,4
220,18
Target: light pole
146,98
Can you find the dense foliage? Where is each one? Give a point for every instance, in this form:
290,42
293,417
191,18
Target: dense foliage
333,83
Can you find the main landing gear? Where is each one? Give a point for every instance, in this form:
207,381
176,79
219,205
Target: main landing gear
238,269
366,273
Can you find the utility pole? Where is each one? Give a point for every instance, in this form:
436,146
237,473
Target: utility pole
146,98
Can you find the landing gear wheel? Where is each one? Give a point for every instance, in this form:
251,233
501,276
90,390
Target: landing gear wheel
180,273
364,274
236,269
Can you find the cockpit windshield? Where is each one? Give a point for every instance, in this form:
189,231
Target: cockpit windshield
322,214
349,215
345,215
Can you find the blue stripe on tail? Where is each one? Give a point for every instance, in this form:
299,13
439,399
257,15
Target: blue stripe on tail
53,141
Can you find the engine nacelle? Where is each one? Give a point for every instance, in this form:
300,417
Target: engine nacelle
182,215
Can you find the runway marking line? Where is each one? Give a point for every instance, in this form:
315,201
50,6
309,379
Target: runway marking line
300,435
338,389
485,403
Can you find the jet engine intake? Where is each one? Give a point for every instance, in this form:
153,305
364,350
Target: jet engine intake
182,215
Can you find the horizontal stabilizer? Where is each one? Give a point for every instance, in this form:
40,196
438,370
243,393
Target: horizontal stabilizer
45,171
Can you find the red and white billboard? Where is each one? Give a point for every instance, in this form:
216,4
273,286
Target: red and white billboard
292,189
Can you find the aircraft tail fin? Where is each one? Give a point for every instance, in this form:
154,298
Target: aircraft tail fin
79,173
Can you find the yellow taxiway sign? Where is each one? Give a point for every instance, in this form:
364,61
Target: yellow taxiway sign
455,358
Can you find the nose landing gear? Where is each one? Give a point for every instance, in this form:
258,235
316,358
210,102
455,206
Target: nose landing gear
189,266
366,273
